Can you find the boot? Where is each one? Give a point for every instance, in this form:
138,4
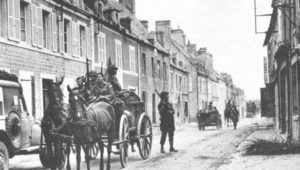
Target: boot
162,149
172,149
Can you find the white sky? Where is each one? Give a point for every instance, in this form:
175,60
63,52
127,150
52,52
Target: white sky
225,27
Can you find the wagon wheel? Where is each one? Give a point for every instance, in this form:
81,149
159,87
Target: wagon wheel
59,155
93,150
123,136
145,136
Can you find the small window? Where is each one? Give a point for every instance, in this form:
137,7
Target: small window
1,103
132,59
144,67
82,41
118,49
67,37
23,20
158,69
46,28
153,67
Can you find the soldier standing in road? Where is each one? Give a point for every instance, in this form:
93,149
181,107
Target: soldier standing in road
167,125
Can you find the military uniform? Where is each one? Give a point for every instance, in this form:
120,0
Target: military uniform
103,89
167,125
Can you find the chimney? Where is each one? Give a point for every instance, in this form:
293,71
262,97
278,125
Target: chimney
163,26
160,37
146,24
126,23
191,48
129,4
179,37
202,50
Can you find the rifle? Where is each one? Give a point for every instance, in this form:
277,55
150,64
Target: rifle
158,93
87,74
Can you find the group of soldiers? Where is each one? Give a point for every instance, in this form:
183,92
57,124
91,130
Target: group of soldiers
109,90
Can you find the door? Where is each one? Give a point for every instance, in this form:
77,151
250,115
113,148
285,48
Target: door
46,84
153,108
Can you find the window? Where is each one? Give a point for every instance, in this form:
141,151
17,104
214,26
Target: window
144,67
66,37
132,59
180,83
118,46
14,20
46,29
152,66
172,81
75,39
158,69
1,103
101,49
55,32
2,16
82,43
37,26
23,18
165,71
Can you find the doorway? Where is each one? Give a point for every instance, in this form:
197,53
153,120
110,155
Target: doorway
46,84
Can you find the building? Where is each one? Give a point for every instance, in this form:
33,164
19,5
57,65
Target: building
282,41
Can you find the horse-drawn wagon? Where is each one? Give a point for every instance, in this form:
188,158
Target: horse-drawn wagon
80,127
209,117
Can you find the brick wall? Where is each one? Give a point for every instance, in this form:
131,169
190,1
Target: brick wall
16,59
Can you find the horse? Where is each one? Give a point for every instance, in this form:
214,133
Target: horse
93,121
53,120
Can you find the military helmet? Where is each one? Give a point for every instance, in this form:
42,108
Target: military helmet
93,73
112,67
164,94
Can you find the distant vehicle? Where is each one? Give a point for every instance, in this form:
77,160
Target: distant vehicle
18,131
208,117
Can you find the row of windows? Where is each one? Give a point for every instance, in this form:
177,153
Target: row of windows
162,73
179,83
40,26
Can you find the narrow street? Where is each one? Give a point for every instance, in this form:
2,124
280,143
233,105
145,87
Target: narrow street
209,149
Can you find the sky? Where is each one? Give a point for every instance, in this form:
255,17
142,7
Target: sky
225,27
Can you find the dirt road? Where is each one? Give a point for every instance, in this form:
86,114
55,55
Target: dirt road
209,149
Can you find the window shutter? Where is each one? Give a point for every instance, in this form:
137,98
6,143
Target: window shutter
54,29
88,42
104,49
11,19
40,26
34,23
74,38
17,20
61,36
77,39
98,55
84,43
69,39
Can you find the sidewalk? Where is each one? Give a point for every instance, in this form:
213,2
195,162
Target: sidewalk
262,162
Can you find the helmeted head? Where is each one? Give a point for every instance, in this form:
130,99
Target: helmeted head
164,95
112,69
93,75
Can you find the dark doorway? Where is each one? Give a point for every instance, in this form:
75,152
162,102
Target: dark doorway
153,108
144,98
46,84
283,100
